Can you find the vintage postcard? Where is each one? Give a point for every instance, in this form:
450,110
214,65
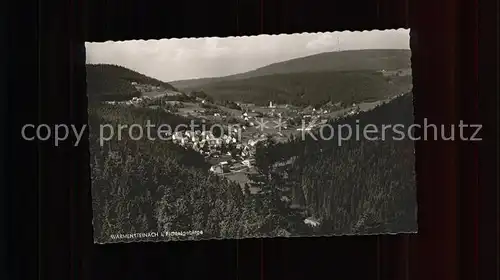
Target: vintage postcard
293,135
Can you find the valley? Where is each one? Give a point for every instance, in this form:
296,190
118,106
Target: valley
250,166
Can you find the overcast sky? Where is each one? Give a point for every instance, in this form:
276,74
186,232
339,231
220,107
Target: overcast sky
179,59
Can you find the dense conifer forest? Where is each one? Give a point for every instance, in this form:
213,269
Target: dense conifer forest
359,186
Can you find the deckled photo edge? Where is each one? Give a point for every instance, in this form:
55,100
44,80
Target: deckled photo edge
216,138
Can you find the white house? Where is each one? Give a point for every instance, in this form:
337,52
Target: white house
216,169
311,222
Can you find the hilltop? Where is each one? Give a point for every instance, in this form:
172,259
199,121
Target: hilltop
353,60
106,82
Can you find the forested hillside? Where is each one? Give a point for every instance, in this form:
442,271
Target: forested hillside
362,186
351,60
107,82
144,185
310,88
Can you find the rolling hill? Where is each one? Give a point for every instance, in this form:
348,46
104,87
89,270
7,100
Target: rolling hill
353,60
107,82
310,88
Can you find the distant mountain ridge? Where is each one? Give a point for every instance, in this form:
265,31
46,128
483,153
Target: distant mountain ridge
352,60
310,88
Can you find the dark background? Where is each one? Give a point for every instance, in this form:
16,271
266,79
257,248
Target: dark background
46,190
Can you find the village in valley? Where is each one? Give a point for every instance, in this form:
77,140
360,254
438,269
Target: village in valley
234,139
231,153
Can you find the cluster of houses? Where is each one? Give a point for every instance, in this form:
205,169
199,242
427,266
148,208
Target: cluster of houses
232,165
135,101
240,154
146,87
354,111
206,143
143,100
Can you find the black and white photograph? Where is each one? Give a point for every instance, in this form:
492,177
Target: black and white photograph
292,135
